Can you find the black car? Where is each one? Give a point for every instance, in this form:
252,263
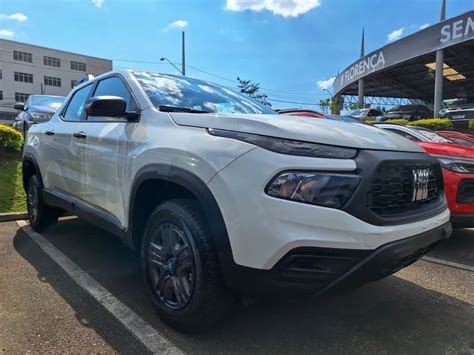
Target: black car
407,112
459,110
37,109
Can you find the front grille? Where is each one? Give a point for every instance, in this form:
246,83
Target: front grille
394,189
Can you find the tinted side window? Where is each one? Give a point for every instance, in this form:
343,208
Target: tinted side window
76,105
114,86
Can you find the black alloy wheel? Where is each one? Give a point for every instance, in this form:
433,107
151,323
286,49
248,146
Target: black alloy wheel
172,266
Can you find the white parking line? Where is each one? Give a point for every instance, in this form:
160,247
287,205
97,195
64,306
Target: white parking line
144,332
448,263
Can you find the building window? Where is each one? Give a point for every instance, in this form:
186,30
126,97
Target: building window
78,66
23,56
21,97
1,77
23,77
52,62
51,81
1,95
73,82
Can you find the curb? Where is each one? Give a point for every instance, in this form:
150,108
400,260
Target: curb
13,216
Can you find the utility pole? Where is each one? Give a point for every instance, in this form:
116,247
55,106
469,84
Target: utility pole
360,101
183,53
438,92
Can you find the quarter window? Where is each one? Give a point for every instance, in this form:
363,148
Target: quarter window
51,81
23,77
23,56
78,66
52,62
76,105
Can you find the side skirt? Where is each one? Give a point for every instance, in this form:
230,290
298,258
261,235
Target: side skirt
95,216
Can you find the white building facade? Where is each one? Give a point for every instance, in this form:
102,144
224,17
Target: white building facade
27,69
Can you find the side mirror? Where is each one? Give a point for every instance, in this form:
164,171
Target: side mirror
109,106
20,106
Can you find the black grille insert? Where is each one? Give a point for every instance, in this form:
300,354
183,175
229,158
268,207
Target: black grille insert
394,188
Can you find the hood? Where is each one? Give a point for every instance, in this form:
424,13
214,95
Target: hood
331,132
42,109
450,149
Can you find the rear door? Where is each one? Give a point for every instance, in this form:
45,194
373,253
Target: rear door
104,151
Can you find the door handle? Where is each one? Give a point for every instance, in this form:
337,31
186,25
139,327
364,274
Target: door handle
80,135
49,133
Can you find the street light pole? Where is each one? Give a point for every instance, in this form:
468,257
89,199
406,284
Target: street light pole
174,66
183,55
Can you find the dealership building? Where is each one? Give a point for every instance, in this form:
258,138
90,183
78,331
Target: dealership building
27,69
427,67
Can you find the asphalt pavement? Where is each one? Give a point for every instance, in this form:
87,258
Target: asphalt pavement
77,289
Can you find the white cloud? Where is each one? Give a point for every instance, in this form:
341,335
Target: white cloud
326,84
395,35
285,8
6,33
178,24
422,27
98,3
17,16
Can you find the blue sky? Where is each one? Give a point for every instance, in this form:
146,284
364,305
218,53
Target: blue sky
286,45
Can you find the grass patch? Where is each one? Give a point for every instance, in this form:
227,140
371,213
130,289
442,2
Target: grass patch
12,195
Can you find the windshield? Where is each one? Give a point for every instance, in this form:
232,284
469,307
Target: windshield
170,90
53,102
432,136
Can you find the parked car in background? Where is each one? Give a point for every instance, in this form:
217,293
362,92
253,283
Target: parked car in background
220,196
36,109
317,114
459,110
365,114
458,169
407,112
458,137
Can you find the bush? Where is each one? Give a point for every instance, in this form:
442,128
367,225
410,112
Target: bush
471,124
10,139
436,124
401,121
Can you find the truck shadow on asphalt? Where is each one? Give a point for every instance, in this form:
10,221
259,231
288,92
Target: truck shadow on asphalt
389,316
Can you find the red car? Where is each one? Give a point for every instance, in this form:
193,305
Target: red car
459,138
458,169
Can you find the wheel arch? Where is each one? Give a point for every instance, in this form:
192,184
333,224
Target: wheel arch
176,183
30,167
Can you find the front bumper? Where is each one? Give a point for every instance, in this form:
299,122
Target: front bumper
318,270
462,210
462,220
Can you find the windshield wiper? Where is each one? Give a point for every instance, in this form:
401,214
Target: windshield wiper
165,108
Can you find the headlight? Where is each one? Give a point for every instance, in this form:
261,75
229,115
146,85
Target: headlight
457,165
287,146
40,116
324,189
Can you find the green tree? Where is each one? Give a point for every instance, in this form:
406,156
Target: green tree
330,105
325,105
253,90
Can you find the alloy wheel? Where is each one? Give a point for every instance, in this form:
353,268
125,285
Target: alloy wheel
172,266
33,203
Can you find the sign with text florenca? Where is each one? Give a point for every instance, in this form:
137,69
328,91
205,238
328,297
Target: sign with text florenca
444,34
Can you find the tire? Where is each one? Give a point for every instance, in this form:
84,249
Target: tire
40,215
181,268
